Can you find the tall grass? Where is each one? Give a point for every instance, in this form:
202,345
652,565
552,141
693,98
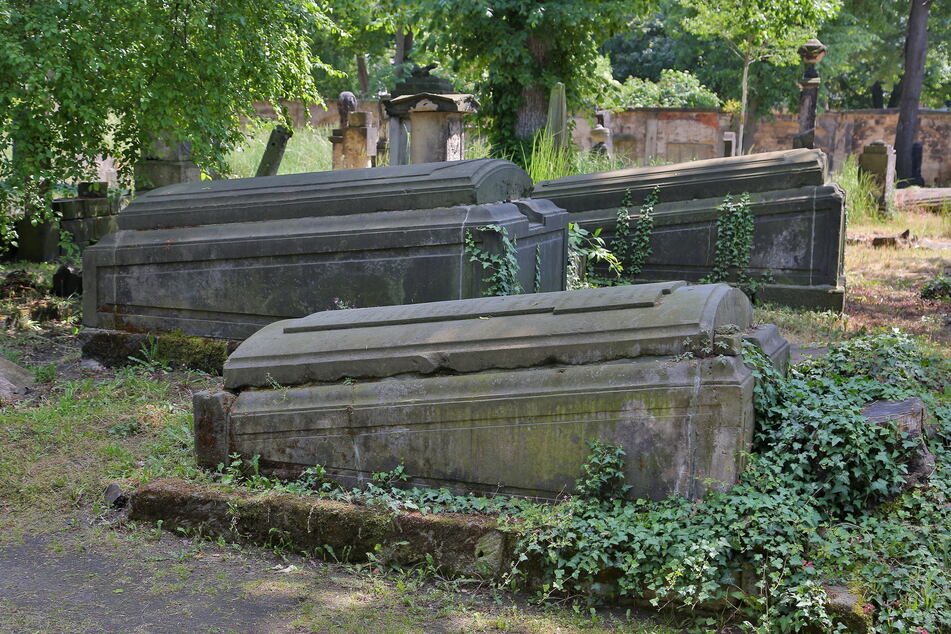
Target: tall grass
546,160
309,150
861,192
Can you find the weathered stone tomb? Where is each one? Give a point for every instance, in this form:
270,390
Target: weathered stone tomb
499,394
799,218
223,258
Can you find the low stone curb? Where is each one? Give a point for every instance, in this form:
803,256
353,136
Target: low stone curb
460,545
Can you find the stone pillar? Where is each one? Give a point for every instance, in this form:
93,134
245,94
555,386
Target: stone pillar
811,53
437,124
878,160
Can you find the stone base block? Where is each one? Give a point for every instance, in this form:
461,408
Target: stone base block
809,297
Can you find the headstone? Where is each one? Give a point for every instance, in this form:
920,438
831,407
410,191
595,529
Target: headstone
878,160
799,219
498,394
15,382
430,110
557,124
223,258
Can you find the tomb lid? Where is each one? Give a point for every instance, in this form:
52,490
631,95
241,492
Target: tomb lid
765,171
471,335
334,193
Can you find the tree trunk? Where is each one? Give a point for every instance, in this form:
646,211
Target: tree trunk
877,95
533,113
916,47
744,86
362,75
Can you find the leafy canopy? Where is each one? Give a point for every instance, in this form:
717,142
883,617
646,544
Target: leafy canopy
83,78
509,46
760,29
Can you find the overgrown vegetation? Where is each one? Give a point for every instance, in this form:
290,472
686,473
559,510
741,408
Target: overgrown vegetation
674,89
586,250
501,268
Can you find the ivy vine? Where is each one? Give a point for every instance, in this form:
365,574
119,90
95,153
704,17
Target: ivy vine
502,268
734,247
633,246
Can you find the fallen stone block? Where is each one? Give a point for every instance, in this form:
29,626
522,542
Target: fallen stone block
15,382
497,394
224,258
459,545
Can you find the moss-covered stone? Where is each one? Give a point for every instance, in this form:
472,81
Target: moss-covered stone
197,353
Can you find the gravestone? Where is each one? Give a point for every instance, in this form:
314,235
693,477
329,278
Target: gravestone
223,258
878,160
436,122
498,394
799,219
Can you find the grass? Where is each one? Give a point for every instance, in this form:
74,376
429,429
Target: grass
309,150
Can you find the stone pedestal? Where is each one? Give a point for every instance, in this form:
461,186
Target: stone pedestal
355,146
499,394
436,122
878,160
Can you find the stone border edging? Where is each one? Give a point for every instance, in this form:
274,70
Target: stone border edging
462,545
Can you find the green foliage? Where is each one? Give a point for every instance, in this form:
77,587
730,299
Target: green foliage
938,288
516,50
585,251
602,473
45,373
674,89
502,268
634,247
84,79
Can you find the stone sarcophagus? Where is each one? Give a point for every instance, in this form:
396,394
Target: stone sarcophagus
498,394
799,218
223,258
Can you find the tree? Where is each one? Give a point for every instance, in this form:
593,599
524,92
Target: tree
86,78
916,48
757,30
866,54
516,50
